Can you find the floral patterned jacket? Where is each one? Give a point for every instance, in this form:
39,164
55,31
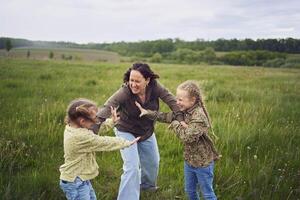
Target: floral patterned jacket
199,150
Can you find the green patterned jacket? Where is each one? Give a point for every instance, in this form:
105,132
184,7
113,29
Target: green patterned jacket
199,150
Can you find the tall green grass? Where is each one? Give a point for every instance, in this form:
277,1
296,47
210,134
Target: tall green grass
255,113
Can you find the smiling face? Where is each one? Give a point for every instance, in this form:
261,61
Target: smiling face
137,82
184,101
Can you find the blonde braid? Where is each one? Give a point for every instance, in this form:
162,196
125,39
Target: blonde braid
216,138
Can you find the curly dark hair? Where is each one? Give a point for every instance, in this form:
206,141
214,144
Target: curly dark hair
144,69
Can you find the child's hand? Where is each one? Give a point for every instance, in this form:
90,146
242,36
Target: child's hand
182,123
114,114
143,111
135,140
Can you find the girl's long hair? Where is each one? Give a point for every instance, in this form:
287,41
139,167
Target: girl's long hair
194,91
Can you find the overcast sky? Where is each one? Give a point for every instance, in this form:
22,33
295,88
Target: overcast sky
84,21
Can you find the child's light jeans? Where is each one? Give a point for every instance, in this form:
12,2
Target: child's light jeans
78,190
202,176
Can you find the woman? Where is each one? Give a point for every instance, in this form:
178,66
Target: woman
140,86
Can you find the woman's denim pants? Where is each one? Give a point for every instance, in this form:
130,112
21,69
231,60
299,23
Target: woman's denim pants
140,166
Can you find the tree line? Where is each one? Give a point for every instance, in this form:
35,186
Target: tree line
148,48
247,52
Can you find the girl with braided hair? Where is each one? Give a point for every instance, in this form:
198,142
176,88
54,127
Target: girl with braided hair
199,150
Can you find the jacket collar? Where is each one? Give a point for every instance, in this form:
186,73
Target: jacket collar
147,94
191,109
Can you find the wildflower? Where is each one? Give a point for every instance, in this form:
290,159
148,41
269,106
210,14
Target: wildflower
23,144
255,157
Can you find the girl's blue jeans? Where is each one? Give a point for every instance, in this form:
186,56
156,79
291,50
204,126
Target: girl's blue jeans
140,166
199,176
78,190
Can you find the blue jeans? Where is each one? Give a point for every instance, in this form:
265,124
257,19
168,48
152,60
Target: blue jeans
202,176
140,166
78,190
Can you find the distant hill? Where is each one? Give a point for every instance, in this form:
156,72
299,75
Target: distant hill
61,54
16,42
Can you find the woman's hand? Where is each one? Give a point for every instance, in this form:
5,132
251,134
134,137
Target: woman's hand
143,111
135,140
114,114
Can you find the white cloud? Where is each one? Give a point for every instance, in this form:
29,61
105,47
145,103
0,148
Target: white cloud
133,20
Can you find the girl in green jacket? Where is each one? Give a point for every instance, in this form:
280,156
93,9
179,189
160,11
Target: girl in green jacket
80,145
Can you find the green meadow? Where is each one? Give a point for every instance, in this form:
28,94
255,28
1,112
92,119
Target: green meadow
255,113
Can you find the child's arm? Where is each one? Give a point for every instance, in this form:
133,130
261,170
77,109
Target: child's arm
166,96
195,128
105,111
91,143
106,126
109,123
156,115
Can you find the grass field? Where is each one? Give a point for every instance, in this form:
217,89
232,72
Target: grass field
255,112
